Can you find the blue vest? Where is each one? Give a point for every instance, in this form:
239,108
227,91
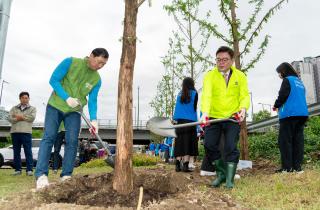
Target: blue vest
296,104
185,111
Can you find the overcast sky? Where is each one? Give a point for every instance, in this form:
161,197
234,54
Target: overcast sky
42,33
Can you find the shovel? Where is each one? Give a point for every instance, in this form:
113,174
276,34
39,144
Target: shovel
110,160
162,126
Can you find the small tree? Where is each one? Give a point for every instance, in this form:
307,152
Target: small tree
123,172
261,115
241,40
186,55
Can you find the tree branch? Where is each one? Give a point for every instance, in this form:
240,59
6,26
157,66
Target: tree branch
259,27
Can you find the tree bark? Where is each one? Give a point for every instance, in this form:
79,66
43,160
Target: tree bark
244,151
123,173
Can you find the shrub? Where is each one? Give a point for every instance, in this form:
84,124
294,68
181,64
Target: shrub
266,145
94,163
200,150
144,160
138,160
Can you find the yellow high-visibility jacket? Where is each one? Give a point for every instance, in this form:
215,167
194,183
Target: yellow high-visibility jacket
220,101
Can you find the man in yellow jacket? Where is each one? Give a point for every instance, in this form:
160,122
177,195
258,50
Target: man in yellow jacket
224,93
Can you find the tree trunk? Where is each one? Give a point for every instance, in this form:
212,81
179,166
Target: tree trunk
244,152
190,45
123,173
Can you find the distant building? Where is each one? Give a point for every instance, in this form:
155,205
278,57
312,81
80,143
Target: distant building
315,61
306,73
309,71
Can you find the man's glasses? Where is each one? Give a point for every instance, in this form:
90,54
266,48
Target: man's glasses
219,60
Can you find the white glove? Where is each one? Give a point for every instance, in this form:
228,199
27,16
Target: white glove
95,126
72,102
242,114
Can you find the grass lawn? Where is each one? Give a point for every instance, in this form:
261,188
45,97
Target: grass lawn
12,184
279,191
275,191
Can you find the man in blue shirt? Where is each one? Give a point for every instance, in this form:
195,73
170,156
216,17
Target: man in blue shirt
72,81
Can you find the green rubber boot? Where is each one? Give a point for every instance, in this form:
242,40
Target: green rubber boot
221,173
230,172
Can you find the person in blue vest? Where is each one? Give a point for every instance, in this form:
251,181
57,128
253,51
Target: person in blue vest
292,109
157,151
186,112
166,148
152,148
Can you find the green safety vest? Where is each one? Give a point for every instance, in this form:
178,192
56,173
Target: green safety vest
78,82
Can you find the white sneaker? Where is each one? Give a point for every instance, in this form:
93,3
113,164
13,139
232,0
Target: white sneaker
42,182
29,173
64,178
207,173
237,176
191,166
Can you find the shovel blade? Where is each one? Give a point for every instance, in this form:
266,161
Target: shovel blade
110,160
161,126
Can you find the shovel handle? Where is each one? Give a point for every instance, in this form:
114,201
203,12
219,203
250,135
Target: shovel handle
91,126
209,121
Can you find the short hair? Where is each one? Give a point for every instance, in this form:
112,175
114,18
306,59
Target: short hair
285,69
100,52
24,94
225,49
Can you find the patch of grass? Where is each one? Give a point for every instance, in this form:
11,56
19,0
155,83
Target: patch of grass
279,191
10,184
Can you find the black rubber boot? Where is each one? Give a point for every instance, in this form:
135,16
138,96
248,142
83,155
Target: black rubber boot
230,172
178,166
185,167
221,173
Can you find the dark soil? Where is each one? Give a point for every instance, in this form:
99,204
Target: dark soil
163,188
96,190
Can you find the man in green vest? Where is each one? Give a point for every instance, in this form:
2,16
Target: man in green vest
72,81
224,94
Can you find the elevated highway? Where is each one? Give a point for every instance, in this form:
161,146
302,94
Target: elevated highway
107,131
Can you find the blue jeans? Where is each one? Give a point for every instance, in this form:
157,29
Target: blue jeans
72,122
57,148
19,139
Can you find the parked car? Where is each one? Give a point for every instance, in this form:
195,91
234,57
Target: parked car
6,155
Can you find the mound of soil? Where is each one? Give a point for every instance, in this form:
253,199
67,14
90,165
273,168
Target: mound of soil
163,188
96,190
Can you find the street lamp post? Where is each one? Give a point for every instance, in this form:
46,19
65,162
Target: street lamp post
138,105
251,105
135,116
3,81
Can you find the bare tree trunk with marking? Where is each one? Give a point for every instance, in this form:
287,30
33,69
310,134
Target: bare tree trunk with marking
123,174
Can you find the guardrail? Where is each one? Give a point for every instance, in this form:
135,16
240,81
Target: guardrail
314,109
103,124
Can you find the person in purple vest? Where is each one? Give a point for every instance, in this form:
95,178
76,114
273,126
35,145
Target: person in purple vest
186,112
292,109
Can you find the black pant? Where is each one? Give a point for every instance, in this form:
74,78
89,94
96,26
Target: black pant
212,136
25,140
291,142
206,165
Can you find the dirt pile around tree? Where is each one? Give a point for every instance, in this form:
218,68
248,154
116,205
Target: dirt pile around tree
96,190
162,189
